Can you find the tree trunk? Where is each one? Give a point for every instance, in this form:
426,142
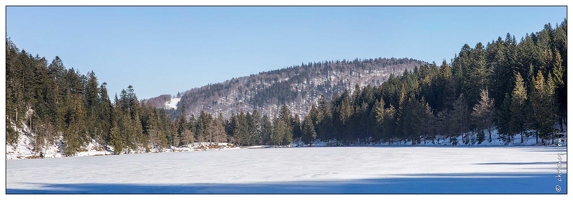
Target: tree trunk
552,137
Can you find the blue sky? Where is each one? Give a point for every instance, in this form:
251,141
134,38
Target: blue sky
165,50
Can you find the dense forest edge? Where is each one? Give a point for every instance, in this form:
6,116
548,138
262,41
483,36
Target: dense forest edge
508,87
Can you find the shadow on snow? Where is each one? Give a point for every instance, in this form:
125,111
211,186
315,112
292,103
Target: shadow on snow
522,163
454,183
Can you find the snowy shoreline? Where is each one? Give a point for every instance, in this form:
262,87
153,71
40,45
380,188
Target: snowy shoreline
24,148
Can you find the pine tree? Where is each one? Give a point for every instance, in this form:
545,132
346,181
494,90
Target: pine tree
278,134
287,129
219,130
543,104
344,119
325,126
308,133
429,123
92,107
266,130
389,124
253,127
482,114
75,134
379,113
115,138
105,113
183,132
152,128
296,127
559,74
518,122
459,118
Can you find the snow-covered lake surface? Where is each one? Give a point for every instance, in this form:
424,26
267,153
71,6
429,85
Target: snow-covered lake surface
373,170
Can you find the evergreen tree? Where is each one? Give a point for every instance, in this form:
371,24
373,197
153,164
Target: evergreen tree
429,123
219,134
518,122
75,134
105,113
379,113
325,126
343,120
559,75
308,132
296,127
115,138
279,131
482,114
459,118
287,129
503,118
543,104
266,130
389,124
184,134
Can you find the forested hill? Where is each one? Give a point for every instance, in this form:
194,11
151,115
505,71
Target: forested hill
298,87
517,89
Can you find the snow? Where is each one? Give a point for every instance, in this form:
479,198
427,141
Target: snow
301,170
24,147
440,140
172,104
430,167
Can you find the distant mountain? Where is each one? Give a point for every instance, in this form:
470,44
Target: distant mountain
298,87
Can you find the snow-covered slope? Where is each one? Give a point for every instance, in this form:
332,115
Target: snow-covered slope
172,104
24,148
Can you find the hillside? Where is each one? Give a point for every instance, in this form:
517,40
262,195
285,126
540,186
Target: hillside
298,87
514,89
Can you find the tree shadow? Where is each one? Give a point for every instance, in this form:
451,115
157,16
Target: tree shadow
522,163
454,183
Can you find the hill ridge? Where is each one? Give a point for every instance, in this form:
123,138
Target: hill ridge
296,86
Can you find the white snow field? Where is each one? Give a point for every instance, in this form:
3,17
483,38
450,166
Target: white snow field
323,170
172,104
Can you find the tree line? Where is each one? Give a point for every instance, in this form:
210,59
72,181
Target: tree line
518,88
55,102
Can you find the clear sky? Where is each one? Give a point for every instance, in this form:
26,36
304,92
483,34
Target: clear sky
165,50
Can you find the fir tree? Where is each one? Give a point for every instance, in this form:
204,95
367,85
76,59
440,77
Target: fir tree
308,133
482,114
543,104
518,122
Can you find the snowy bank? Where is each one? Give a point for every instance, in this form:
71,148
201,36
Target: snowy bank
24,147
466,139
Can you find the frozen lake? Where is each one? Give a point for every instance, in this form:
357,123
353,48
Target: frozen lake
385,170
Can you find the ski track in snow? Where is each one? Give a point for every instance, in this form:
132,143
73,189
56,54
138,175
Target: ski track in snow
402,170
